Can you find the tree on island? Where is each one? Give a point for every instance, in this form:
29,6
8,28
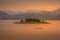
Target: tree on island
21,20
32,20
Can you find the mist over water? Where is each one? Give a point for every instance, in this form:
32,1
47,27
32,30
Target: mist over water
11,31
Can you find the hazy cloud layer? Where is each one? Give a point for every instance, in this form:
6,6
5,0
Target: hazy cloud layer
10,3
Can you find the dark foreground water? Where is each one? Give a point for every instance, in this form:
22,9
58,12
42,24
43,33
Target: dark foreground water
11,31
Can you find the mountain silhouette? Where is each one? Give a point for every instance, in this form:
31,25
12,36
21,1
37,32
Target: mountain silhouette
49,15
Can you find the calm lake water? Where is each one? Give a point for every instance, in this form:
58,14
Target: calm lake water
11,31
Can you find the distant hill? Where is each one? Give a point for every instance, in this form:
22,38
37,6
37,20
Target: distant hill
3,15
50,15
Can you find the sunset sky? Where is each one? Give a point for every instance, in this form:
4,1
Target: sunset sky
18,5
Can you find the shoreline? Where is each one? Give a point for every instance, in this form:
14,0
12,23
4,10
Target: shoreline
30,23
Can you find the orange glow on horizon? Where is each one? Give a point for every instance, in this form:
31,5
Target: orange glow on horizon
45,7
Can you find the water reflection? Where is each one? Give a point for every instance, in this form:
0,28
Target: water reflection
10,31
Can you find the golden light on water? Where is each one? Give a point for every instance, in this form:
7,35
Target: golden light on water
28,31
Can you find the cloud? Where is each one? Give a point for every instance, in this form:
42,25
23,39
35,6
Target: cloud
28,1
21,3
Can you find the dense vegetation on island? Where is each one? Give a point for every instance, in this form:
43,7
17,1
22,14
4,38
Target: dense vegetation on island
31,20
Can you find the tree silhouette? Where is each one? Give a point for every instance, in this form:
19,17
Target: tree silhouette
32,20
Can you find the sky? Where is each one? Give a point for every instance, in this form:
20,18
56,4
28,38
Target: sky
18,5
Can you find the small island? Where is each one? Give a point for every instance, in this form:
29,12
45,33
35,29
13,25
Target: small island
31,21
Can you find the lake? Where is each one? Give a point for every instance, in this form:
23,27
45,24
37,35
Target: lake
11,31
